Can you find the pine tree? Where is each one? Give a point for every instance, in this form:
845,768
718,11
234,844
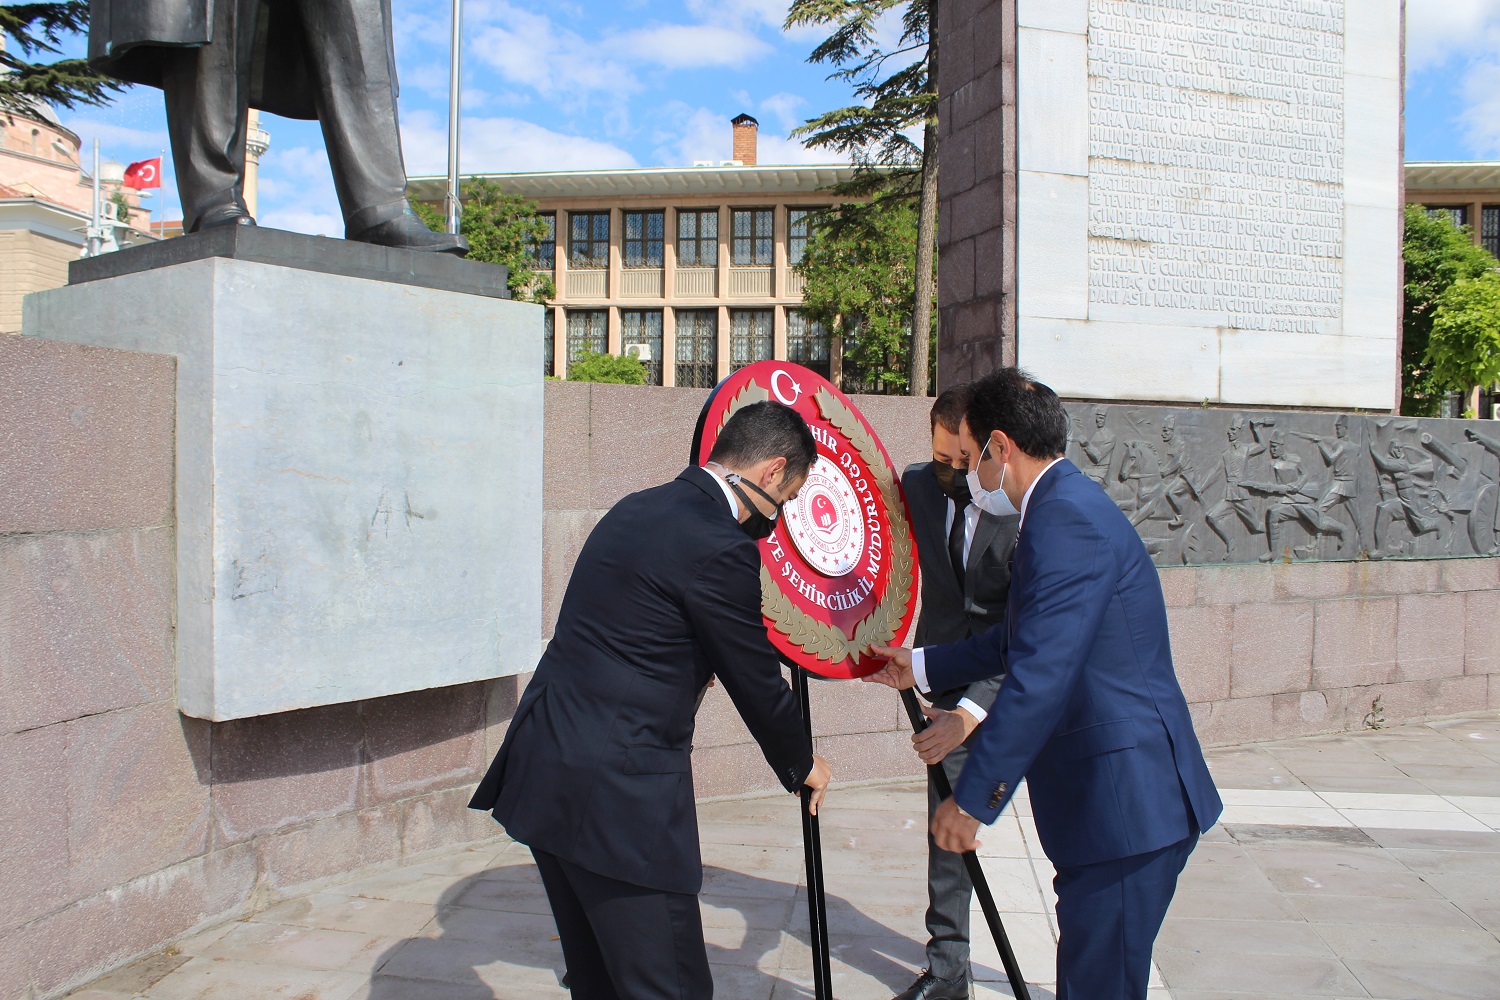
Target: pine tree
898,91
39,29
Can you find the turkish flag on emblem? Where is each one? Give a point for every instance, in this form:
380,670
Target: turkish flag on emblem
145,174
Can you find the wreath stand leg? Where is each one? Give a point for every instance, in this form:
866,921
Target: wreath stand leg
812,851
939,779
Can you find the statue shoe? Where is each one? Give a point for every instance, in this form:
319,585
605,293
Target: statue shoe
406,232
930,987
223,215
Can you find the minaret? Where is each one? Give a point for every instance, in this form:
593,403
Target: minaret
257,141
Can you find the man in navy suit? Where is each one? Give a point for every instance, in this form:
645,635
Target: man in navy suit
1090,713
595,773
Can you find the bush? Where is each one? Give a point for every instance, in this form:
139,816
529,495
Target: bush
619,370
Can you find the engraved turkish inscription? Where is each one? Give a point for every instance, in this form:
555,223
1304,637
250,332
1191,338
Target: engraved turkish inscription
1216,148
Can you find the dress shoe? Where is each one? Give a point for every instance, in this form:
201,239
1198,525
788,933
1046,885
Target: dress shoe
930,987
223,215
406,232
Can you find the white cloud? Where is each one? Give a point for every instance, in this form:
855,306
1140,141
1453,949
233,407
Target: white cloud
1439,29
529,50
786,109
296,192
497,145
1481,116
689,46
702,134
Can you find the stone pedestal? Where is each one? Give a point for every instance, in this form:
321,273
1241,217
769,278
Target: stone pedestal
358,466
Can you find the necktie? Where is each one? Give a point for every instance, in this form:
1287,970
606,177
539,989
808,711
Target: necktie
956,544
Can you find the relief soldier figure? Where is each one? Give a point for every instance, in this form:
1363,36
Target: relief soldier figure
1411,502
1295,503
1340,455
326,59
1237,501
1099,448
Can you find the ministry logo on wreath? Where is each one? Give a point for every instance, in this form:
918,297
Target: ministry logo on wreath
839,572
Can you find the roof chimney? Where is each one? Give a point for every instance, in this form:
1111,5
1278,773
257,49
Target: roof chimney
746,132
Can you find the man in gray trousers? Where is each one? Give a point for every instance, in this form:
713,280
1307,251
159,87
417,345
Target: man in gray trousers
965,559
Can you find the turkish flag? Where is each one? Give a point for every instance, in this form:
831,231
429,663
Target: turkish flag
145,174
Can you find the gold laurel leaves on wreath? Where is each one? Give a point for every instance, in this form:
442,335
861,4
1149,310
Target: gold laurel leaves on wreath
753,392
818,638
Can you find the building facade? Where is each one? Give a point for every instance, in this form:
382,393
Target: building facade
1468,191
691,269
46,204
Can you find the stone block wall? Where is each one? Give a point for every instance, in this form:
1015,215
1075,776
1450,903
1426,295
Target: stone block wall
976,188
125,824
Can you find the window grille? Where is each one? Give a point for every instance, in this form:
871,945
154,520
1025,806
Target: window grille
799,228
643,326
588,331
751,238
544,251
549,342
645,233
807,342
698,238
588,240
698,348
751,337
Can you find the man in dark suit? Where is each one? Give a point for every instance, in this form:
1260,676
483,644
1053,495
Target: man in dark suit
595,772
1091,713
965,558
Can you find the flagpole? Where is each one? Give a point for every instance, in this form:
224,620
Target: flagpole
96,228
455,56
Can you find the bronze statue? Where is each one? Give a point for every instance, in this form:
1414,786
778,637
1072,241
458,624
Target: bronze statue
326,59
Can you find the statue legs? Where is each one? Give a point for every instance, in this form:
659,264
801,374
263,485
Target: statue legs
347,41
207,93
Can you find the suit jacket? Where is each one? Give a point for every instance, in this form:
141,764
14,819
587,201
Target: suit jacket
948,612
1091,713
596,766
131,39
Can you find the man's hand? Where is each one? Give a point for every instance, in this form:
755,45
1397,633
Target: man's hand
897,671
818,779
945,730
952,830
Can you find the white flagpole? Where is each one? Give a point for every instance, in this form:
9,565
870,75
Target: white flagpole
96,229
454,74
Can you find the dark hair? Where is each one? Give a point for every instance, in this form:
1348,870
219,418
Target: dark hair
949,408
766,430
1025,410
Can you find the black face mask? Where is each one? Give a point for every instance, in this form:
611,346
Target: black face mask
757,525
953,482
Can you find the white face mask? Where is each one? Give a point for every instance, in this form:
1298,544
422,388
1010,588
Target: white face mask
990,501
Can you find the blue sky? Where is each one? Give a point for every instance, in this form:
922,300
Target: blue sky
620,83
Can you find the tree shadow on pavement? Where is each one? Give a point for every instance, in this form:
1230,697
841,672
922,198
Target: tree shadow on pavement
494,937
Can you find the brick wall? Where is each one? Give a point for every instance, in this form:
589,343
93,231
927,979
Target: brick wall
976,188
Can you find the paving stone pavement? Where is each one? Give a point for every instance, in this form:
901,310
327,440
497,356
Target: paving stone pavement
1363,865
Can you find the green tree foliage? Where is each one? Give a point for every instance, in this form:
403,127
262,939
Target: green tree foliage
501,229
1463,350
896,89
897,92
39,29
591,367
1438,254
861,277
